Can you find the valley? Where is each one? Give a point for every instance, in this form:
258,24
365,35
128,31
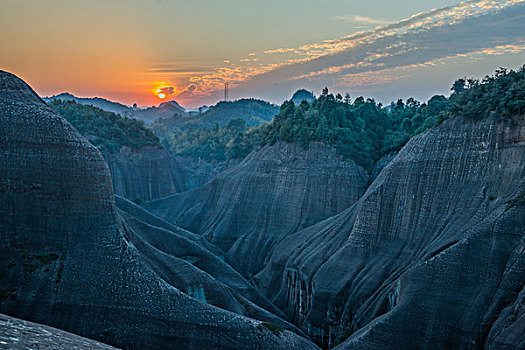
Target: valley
329,222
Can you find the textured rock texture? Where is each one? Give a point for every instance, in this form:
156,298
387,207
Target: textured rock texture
69,259
189,263
432,256
150,173
275,191
16,334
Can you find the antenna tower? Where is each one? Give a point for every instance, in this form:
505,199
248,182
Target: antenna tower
226,84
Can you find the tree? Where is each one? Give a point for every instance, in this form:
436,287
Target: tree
459,86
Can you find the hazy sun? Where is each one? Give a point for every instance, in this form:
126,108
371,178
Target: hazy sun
163,90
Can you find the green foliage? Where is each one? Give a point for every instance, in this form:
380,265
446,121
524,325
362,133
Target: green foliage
502,93
361,131
107,131
221,133
216,144
272,328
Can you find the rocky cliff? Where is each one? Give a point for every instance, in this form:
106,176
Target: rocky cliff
432,255
19,334
71,259
275,191
150,173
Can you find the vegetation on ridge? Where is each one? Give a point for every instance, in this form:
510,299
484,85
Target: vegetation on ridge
218,134
503,93
362,131
106,130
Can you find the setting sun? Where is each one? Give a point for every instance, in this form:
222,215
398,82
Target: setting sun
162,90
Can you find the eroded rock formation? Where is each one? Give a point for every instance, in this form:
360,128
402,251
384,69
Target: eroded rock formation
150,173
432,256
275,191
71,260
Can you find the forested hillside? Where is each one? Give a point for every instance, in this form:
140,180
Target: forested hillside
106,130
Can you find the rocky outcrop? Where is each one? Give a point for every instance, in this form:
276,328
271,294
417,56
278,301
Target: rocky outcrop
71,260
192,265
432,255
19,334
275,191
150,173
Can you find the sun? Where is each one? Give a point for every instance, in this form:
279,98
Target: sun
163,90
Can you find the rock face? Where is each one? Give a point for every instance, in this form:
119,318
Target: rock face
150,173
277,190
70,259
432,256
189,263
19,334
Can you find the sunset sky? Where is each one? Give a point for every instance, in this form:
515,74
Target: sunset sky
130,50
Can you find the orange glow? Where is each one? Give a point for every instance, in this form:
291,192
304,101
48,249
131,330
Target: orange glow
163,90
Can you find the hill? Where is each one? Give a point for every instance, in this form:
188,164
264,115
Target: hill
147,115
218,134
141,168
98,102
108,131
302,95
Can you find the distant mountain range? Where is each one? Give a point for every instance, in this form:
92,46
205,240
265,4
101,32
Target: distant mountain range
147,115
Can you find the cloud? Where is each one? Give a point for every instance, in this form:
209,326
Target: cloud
168,90
362,19
474,27
468,28
280,50
177,70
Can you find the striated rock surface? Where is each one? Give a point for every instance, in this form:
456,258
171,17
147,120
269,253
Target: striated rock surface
432,255
189,263
150,173
273,192
16,334
71,261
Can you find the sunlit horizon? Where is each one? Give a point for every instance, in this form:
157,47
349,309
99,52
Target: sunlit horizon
148,53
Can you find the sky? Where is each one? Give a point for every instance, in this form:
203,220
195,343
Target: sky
149,51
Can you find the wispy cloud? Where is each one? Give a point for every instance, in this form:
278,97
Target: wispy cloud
474,27
362,19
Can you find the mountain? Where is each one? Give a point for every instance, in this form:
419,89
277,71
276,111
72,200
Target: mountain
165,110
71,259
430,256
428,251
218,136
302,95
148,115
141,169
348,225
274,192
252,111
98,102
